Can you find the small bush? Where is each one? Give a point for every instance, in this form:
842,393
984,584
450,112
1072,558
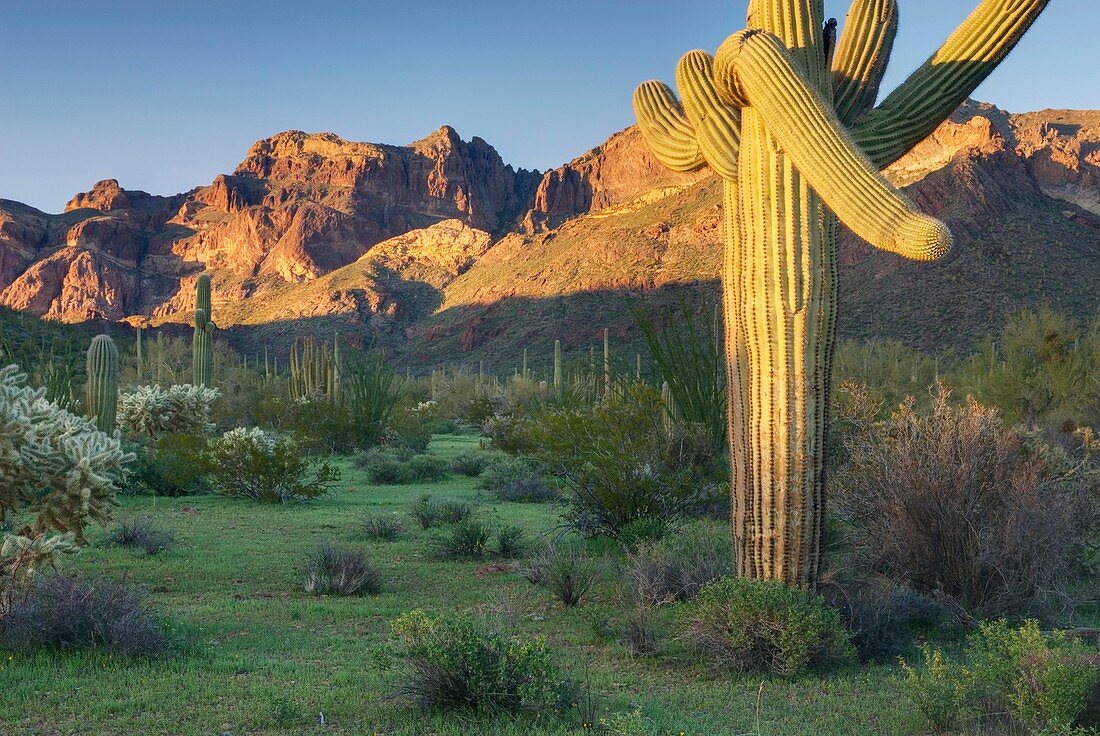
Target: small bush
677,568
563,571
382,527
883,618
64,612
511,542
419,469
411,425
470,464
642,531
175,465
424,510
335,570
764,626
640,633
1008,677
251,463
453,511
511,479
141,534
460,664
468,539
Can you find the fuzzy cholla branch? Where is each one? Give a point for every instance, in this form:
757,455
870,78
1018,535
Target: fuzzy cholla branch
151,410
53,463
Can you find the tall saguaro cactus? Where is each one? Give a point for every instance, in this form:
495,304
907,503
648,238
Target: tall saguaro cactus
202,343
787,122
102,393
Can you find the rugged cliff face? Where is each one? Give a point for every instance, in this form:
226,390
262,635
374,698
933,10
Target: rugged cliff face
447,250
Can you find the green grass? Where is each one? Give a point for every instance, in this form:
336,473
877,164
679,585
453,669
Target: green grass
260,656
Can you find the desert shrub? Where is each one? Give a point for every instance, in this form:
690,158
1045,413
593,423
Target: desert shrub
508,433
251,463
53,463
640,633
643,531
461,664
175,465
334,570
1008,676
24,558
382,527
882,617
151,411
470,464
467,539
676,568
763,626
65,612
620,463
563,571
514,479
454,511
511,542
424,510
411,425
887,369
418,469
141,534
952,504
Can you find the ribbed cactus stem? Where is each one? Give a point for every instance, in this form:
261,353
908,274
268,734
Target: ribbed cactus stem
524,371
557,366
102,393
202,342
763,114
606,364
140,356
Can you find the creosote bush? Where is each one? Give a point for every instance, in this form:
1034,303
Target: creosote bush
515,479
1008,678
383,470
64,612
563,571
956,506
763,626
335,570
470,464
457,663
251,463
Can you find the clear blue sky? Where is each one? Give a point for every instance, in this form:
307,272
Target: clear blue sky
164,95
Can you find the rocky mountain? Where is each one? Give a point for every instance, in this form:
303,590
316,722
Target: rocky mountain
447,254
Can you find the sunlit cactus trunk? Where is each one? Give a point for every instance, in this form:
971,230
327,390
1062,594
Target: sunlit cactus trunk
782,113
102,391
202,341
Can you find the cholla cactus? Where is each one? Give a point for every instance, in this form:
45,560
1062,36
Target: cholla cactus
53,463
783,115
151,411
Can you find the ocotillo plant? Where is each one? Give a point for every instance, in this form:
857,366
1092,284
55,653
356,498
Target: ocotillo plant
202,343
102,395
787,122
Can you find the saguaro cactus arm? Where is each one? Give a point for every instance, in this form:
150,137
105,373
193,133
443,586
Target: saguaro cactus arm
917,107
755,65
717,124
862,55
666,129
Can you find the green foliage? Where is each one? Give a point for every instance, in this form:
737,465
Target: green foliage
888,370
764,626
174,465
470,464
141,534
250,463
1041,682
411,425
511,542
620,463
382,527
386,469
516,479
690,361
460,664
54,464
424,510
1043,369
467,539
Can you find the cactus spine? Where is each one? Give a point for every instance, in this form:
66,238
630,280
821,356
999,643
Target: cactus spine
202,342
789,129
102,395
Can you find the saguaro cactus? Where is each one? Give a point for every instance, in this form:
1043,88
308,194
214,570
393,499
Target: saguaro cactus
102,395
202,343
786,122
557,366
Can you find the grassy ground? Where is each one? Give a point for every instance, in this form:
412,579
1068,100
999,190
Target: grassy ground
260,656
